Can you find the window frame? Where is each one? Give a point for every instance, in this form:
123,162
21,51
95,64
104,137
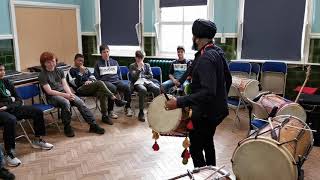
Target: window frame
159,23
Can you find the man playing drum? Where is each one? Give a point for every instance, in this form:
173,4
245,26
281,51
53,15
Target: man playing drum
211,81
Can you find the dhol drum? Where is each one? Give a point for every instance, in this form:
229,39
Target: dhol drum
285,107
173,122
207,172
248,88
261,157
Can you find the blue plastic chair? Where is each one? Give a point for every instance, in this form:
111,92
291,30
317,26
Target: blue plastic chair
124,70
157,73
273,77
240,69
255,71
29,92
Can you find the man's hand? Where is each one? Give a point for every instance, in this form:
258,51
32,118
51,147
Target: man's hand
140,65
70,96
176,82
171,104
87,82
82,69
3,108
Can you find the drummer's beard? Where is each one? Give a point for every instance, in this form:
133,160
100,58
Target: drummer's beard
194,45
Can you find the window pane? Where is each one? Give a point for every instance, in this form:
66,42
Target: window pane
229,47
171,37
171,14
187,35
7,54
314,54
192,13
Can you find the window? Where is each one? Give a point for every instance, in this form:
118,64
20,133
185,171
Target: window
121,31
175,27
314,53
7,54
314,48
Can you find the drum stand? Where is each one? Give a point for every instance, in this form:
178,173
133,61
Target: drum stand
197,170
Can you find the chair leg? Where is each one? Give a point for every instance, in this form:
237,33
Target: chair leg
30,126
25,133
55,122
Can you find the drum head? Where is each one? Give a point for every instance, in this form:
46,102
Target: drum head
161,120
252,89
262,159
293,109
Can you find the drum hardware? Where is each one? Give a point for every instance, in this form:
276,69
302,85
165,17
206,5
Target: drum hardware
214,173
288,126
273,132
190,174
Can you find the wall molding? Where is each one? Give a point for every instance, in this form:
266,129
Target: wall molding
6,36
88,33
315,35
149,34
44,5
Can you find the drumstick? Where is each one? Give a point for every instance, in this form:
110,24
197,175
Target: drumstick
164,93
214,172
273,132
304,83
290,126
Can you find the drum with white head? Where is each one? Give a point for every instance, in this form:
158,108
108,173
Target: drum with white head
259,156
164,121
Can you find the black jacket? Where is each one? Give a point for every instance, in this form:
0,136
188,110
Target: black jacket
7,101
211,81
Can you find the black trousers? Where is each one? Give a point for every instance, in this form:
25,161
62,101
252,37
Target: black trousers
201,139
115,87
9,119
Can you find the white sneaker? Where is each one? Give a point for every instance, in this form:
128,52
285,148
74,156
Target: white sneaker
41,144
129,112
12,160
112,115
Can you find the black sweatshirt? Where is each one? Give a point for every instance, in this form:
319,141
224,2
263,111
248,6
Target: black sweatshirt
8,101
211,81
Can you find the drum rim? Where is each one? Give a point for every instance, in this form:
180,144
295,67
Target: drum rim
148,115
285,152
293,104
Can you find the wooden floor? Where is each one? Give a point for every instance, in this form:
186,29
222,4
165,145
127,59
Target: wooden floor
124,152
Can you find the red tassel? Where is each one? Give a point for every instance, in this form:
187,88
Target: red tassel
190,125
186,154
155,146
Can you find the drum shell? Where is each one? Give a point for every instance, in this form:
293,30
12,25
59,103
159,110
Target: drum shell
285,107
248,88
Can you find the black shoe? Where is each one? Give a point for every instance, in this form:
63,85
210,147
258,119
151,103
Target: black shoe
68,131
5,174
95,128
120,102
106,119
141,117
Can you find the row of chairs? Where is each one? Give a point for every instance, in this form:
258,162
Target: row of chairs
272,77
273,74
